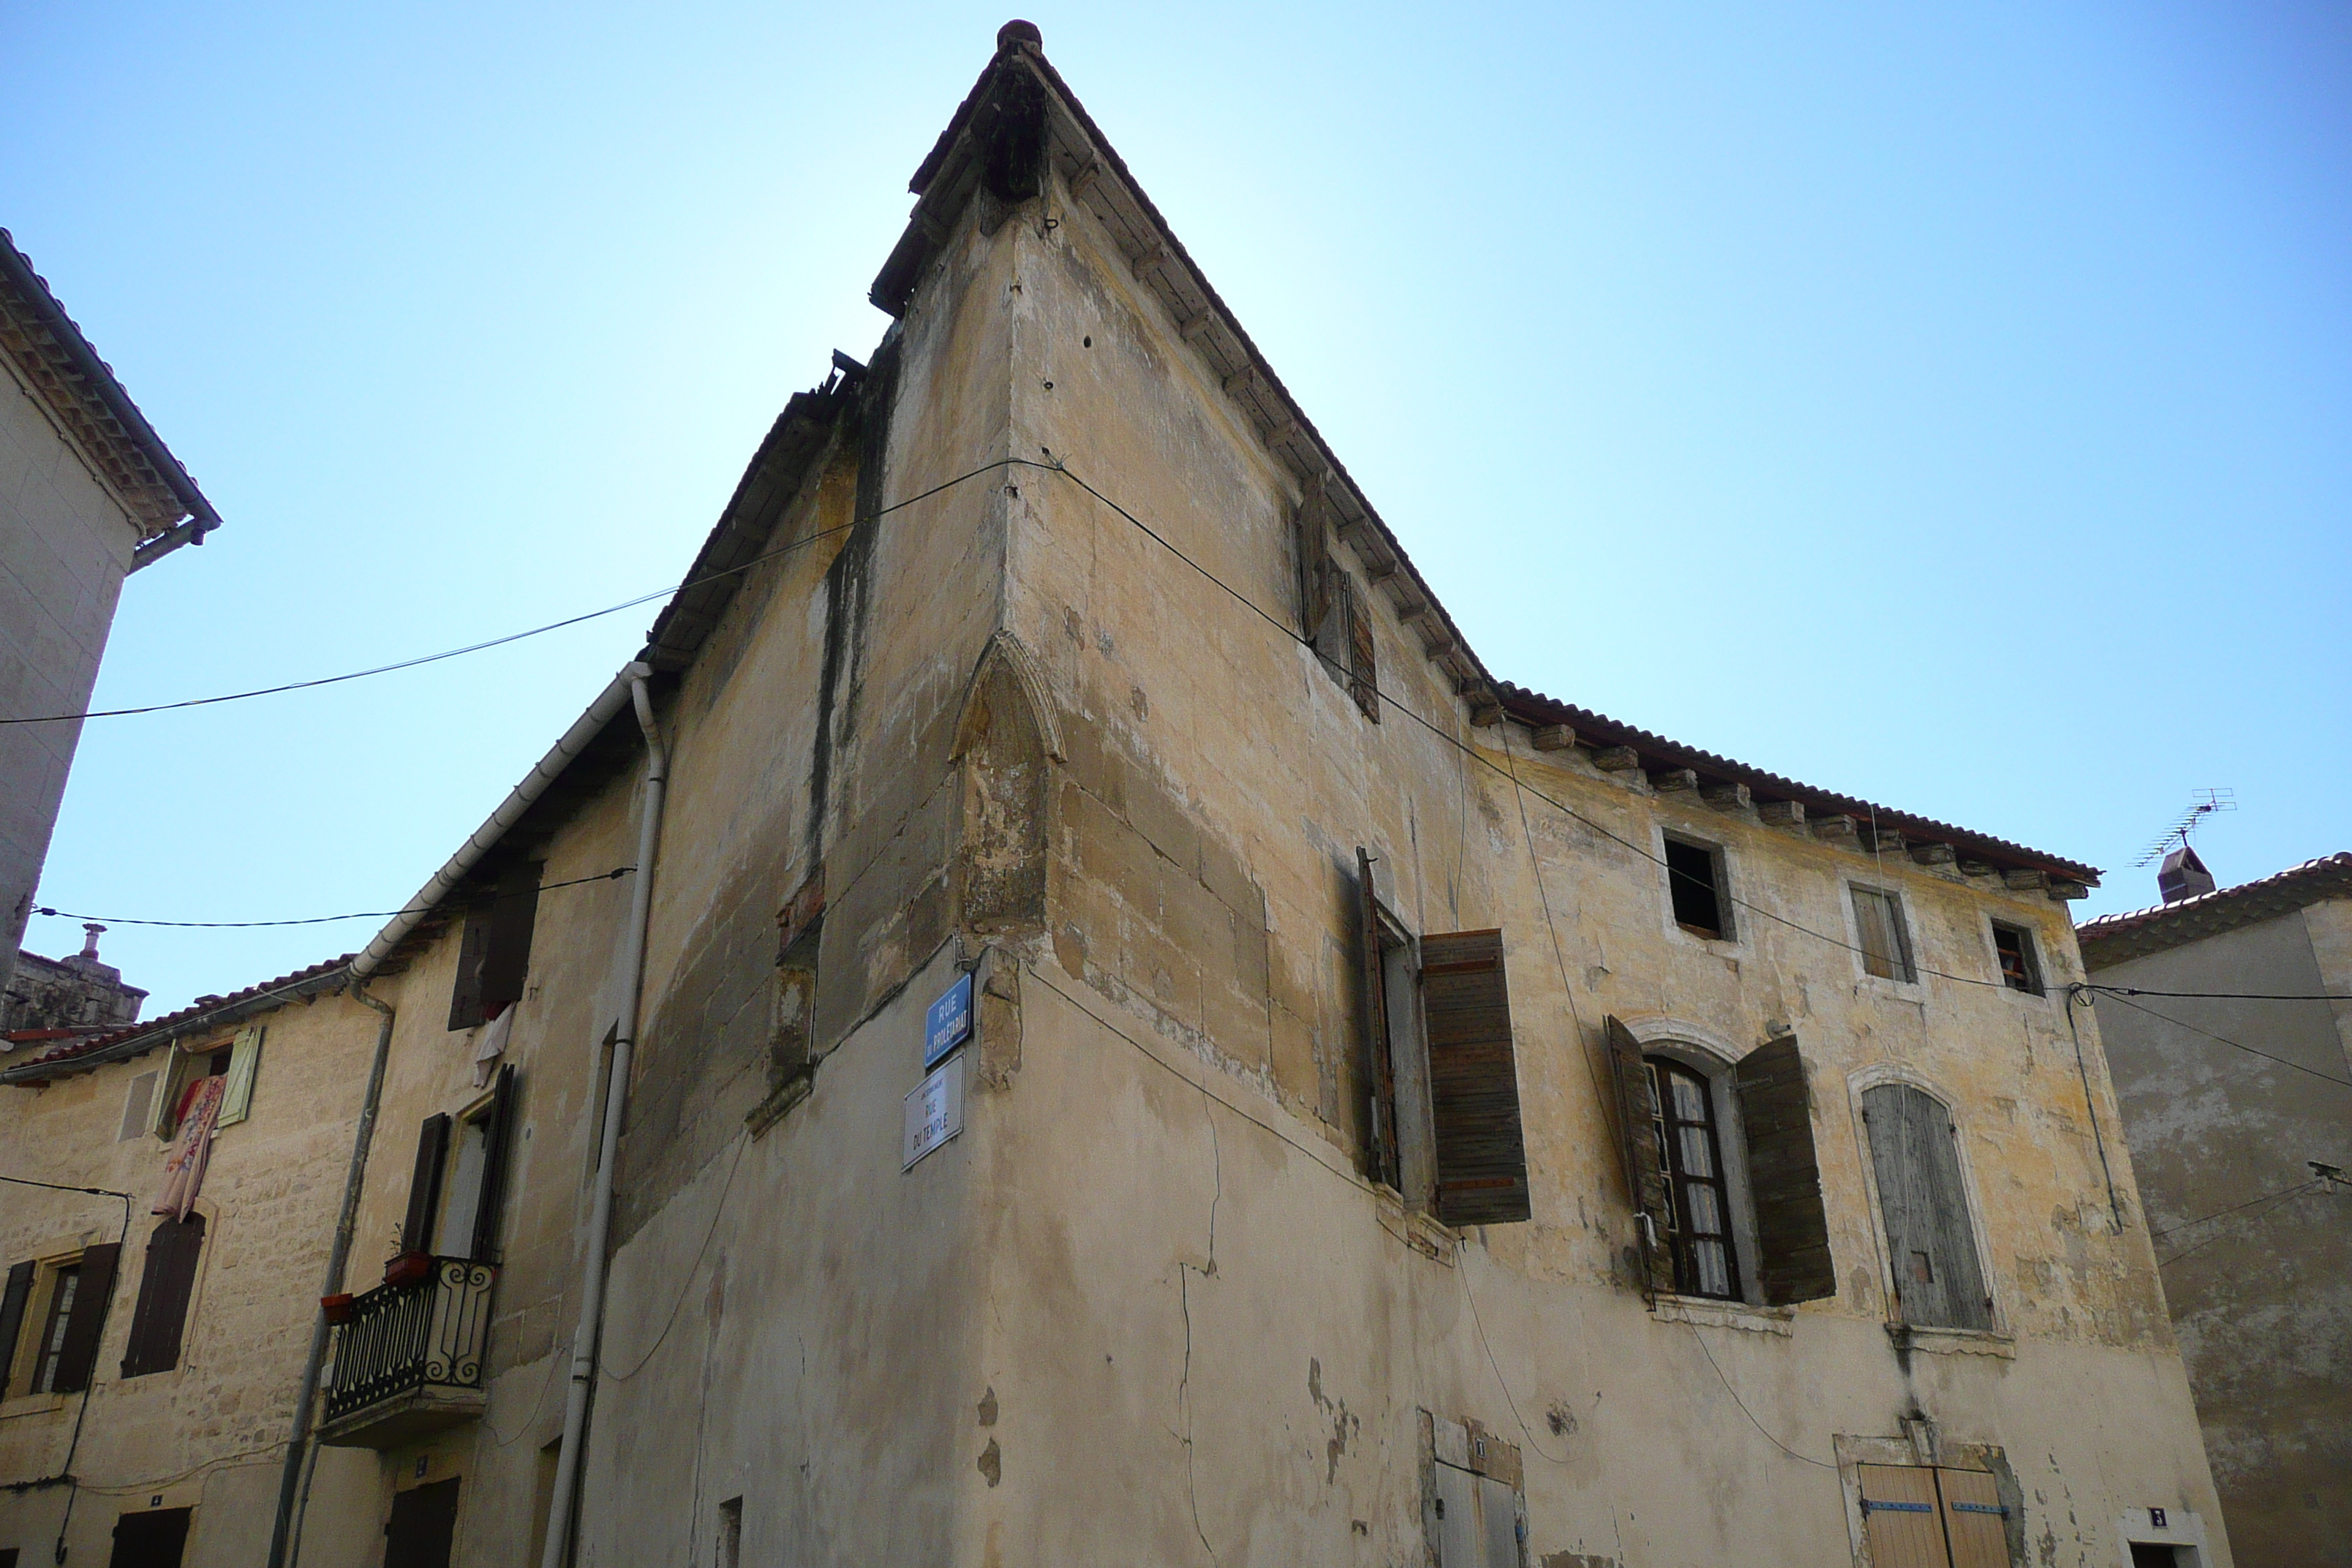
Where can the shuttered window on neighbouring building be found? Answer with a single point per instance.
(19, 1296)
(70, 1350)
(1474, 1087)
(1680, 1192)
(1923, 1202)
(494, 953)
(244, 1065)
(165, 1286)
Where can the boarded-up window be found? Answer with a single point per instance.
(12, 1319)
(1885, 943)
(70, 1350)
(1474, 1088)
(136, 1100)
(425, 1184)
(1784, 1178)
(1931, 1246)
(165, 1286)
(1643, 1160)
(1918, 1516)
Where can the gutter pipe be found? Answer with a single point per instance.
(189, 531)
(289, 1478)
(586, 1332)
(566, 750)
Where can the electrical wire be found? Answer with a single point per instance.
(2223, 995)
(1057, 465)
(2280, 1202)
(1807, 1459)
(2223, 1039)
(612, 875)
(2233, 1208)
(514, 636)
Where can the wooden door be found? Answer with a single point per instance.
(423, 1525)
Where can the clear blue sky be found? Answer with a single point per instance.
(1951, 407)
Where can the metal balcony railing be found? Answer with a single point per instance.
(431, 1332)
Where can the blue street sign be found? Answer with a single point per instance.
(949, 1023)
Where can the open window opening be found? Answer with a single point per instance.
(1697, 1210)
(1923, 1201)
(1443, 1125)
(2020, 966)
(175, 1088)
(1698, 888)
(457, 1186)
(1721, 1172)
(1883, 938)
(494, 952)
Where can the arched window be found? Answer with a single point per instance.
(1931, 1245)
(1698, 1207)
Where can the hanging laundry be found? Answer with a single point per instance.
(183, 1170)
(492, 1044)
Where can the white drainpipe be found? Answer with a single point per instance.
(587, 1331)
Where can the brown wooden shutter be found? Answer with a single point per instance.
(1645, 1171)
(1793, 1230)
(466, 996)
(165, 1286)
(425, 1184)
(1381, 1063)
(1363, 675)
(507, 961)
(12, 1317)
(1313, 562)
(1473, 1085)
(78, 1354)
(498, 1151)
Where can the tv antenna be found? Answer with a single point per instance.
(2210, 802)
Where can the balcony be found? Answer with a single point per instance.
(408, 1359)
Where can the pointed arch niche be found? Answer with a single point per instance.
(1006, 737)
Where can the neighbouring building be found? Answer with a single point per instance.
(54, 999)
(88, 494)
(150, 1362)
(2236, 1090)
(1064, 1016)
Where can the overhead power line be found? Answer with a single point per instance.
(512, 636)
(617, 871)
(2223, 1039)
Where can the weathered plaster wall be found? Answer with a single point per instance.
(209, 1433)
(64, 548)
(2262, 1297)
(1217, 786)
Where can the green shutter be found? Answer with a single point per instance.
(244, 1059)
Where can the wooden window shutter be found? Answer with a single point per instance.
(1645, 1172)
(466, 996)
(11, 1318)
(497, 1152)
(1473, 1086)
(244, 1062)
(1793, 1230)
(507, 960)
(1364, 676)
(79, 1353)
(1931, 1245)
(165, 1287)
(424, 1183)
(1313, 562)
(137, 1101)
(1377, 1047)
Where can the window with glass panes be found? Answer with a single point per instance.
(1699, 1207)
